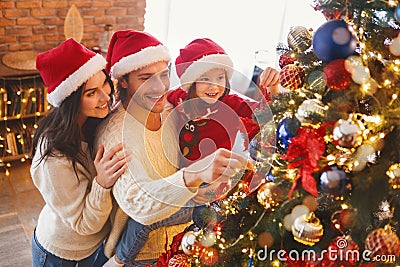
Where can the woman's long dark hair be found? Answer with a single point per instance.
(122, 93)
(60, 129)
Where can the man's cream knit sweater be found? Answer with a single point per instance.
(74, 220)
(151, 189)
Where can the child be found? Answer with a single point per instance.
(210, 117)
(207, 109)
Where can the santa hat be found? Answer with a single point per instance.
(66, 67)
(130, 50)
(198, 57)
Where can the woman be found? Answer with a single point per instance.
(74, 221)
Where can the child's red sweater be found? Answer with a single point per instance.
(215, 128)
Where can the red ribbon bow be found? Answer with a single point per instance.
(304, 151)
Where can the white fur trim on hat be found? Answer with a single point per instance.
(199, 67)
(144, 57)
(76, 79)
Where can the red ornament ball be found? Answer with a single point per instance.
(252, 181)
(343, 220)
(291, 77)
(179, 260)
(347, 218)
(246, 179)
(285, 59)
(209, 256)
(383, 242)
(336, 76)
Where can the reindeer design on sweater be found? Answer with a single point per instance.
(189, 134)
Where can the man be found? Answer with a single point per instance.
(152, 189)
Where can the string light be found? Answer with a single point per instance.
(394, 97)
(13, 140)
(387, 82)
(374, 129)
(291, 174)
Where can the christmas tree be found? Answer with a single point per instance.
(325, 189)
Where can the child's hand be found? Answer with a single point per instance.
(269, 80)
(217, 168)
(212, 192)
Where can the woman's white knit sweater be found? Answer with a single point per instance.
(151, 189)
(74, 220)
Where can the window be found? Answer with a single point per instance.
(240, 27)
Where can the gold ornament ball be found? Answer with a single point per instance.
(299, 38)
(270, 195)
(310, 107)
(316, 82)
(365, 153)
(358, 166)
(347, 133)
(265, 239)
(188, 243)
(307, 229)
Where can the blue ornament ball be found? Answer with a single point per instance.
(287, 129)
(269, 177)
(397, 13)
(333, 40)
(334, 181)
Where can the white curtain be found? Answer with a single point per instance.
(240, 27)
